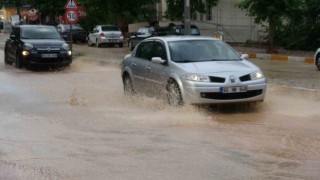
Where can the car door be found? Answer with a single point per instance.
(13, 43)
(138, 65)
(157, 74)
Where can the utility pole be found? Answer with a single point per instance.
(187, 19)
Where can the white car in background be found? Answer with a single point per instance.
(105, 34)
(317, 59)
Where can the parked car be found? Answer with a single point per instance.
(179, 30)
(317, 59)
(30, 45)
(78, 33)
(105, 34)
(192, 70)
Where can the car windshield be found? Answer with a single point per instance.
(109, 28)
(201, 50)
(39, 33)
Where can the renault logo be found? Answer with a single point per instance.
(48, 49)
(232, 79)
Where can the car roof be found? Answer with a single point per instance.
(34, 25)
(182, 38)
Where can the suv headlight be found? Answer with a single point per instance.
(65, 46)
(27, 46)
(257, 75)
(196, 77)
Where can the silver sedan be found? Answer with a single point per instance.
(192, 70)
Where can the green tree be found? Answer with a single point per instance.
(272, 12)
(175, 9)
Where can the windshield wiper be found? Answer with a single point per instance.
(185, 61)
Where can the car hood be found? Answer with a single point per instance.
(44, 42)
(221, 67)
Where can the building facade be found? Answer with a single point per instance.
(225, 18)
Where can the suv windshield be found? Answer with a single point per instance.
(201, 50)
(109, 28)
(39, 33)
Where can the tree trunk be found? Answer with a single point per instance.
(271, 32)
(18, 5)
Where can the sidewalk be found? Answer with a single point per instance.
(282, 55)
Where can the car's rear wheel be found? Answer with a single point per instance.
(127, 86)
(18, 62)
(318, 62)
(121, 45)
(174, 94)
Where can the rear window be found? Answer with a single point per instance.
(67, 27)
(110, 28)
(39, 33)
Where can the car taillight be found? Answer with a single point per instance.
(101, 35)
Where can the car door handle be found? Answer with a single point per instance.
(148, 68)
(133, 64)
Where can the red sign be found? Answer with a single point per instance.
(71, 16)
(71, 4)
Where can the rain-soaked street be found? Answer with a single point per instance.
(76, 124)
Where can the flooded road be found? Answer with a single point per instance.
(76, 124)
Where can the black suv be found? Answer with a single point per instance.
(36, 45)
(179, 30)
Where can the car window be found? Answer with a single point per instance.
(110, 28)
(39, 33)
(75, 27)
(144, 51)
(159, 51)
(201, 50)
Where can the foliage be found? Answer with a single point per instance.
(175, 9)
(301, 30)
(272, 11)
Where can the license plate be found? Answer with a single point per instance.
(113, 40)
(234, 89)
(49, 55)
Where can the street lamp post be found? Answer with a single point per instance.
(187, 19)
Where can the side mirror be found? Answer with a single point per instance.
(244, 56)
(158, 60)
(13, 37)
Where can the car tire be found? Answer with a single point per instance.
(18, 62)
(6, 59)
(121, 45)
(130, 45)
(127, 86)
(318, 62)
(174, 94)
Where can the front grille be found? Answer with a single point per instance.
(245, 78)
(217, 79)
(231, 96)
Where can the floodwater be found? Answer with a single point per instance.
(76, 123)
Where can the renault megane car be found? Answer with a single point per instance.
(36, 45)
(192, 70)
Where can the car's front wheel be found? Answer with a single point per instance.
(89, 42)
(18, 62)
(6, 59)
(127, 86)
(318, 62)
(174, 94)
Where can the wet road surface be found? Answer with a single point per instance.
(76, 123)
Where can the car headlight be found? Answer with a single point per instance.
(27, 46)
(196, 77)
(65, 46)
(257, 75)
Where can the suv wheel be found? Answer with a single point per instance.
(318, 62)
(127, 86)
(174, 94)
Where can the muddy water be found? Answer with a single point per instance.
(76, 124)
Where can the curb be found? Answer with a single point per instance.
(309, 60)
